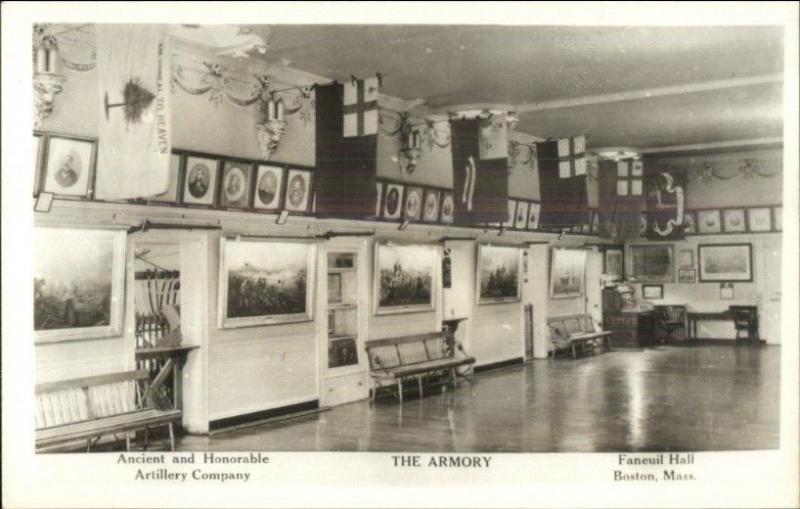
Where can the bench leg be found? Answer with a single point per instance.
(146, 430)
(574, 354)
(128, 441)
(400, 389)
(453, 377)
(419, 382)
(88, 444)
(171, 438)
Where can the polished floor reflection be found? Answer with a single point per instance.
(657, 399)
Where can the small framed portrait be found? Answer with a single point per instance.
(759, 219)
(378, 198)
(171, 194)
(70, 166)
(512, 214)
(777, 218)
(726, 291)
(686, 258)
(533, 215)
(689, 222)
(733, 221)
(236, 176)
(393, 202)
(413, 204)
(298, 190)
(269, 183)
(448, 207)
(595, 224)
(200, 181)
(708, 221)
(38, 146)
(687, 275)
(430, 211)
(521, 220)
(654, 292)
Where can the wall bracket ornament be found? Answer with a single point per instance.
(47, 82)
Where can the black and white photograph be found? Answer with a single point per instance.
(296, 254)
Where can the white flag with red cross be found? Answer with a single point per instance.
(360, 108)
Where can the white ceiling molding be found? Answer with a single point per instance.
(650, 92)
(701, 147)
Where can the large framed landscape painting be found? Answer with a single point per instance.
(652, 263)
(498, 274)
(567, 273)
(404, 275)
(78, 280)
(265, 282)
(725, 262)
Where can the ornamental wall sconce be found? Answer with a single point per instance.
(410, 147)
(271, 127)
(47, 82)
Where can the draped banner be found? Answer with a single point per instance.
(480, 186)
(134, 145)
(621, 200)
(345, 170)
(564, 200)
(665, 203)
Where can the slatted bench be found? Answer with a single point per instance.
(393, 360)
(576, 332)
(90, 408)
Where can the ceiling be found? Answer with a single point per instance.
(643, 87)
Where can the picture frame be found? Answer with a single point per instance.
(614, 262)
(404, 279)
(412, 209)
(38, 148)
(686, 258)
(268, 187)
(651, 263)
(512, 214)
(689, 222)
(378, 198)
(759, 219)
(733, 221)
(235, 184)
(265, 282)
(298, 190)
(595, 224)
(777, 218)
(687, 275)
(69, 170)
(79, 283)
(393, 202)
(200, 180)
(533, 215)
(521, 220)
(708, 221)
(430, 209)
(498, 271)
(170, 196)
(448, 207)
(567, 273)
(725, 262)
(653, 292)
(726, 291)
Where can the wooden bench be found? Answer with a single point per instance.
(90, 408)
(576, 332)
(392, 360)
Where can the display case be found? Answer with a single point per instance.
(342, 310)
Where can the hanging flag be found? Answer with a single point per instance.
(345, 167)
(480, 185)
(360, 108)
(564, 200)
(134, 145)
(621, 199)
(572, 157)
(665, 203)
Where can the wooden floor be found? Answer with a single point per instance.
(656, 399)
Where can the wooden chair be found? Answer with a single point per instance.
(670, 319)
(745, 320)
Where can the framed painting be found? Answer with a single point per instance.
(171, 194)
(393, 204)
(687, 275)
(448, 207)
(38, 147)
(708, 221)
(403, 281)
(567, 273)
(269, 183)
(200, 181)
(653, 292)
(759, 219)
(78, 283)
(498, 274)
(413, 204)
(533, 215)
(512, 214)
(689, 222)
(777, 218)
(298, 190)
(725, 262)
(430, 210)
(733, 221)
(652, 263)
(522, 215)
(235, 186)
(614, 262)
(264, 282)
(69, 170)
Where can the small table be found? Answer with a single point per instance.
(692, 317)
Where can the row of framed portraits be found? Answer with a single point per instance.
(761, 219)
(396, 201)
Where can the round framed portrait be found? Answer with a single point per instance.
(235, 184)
